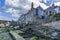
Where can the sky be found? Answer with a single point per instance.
(13, 9)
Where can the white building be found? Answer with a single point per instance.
(36, 14)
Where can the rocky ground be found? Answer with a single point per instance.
(33, 33)
(44, 33)
(4, 35)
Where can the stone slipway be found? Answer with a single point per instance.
(16, 36)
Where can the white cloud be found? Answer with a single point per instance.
(13, 12)
(43, 6)
(37, 3)
(17, 3)
(24, 4)
(12, 3)
(26, 7)
(9, 10)
(18, 7)
(57, 3)
(45, 1)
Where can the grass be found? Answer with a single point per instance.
(37, 38)
(51, 15)
(2, 29)
(34, 38)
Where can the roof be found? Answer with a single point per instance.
(32, 9)
(27, 12)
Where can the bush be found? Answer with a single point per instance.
(57, 16)
(51, 15)
(34, 38)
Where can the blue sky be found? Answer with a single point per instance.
(12, 9)
(48, 2)
(3, 14)
(2, 2)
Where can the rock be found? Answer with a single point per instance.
(53, 35)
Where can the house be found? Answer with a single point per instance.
(57, 9)
(33, 13)
(50, 10)
(30, 16)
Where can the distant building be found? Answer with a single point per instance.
(4, 23)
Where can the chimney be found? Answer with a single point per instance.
(32, 5)
(53, 5)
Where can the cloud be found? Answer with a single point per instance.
(17, 3)
(13, 12)
(12, 3)
(13, 7)
(21, 4)
(37, 3)
(57, 3)
(19, 7)
(16, 7)
(45, 1)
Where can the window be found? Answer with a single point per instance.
(50, 12)
(36, 11)
(46, 13)
(29, 28)
(43, 17)
(59, 9)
